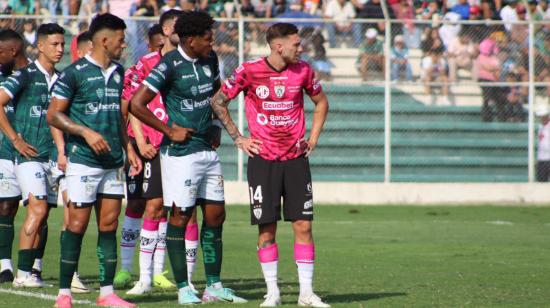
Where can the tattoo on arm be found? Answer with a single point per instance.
(219, 104)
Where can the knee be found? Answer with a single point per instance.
(302, 227)
(108, 225)
(77, 226)
(8, 208)
(154, 212)
(215, 220)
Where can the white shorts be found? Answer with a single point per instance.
(58, 177)
(192, 179)
(9, 188)
(85, 184)
(36, 178)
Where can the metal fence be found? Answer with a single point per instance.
(409, 102)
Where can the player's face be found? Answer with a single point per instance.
(291, 48)
(115, 44)
(7, 57)
(168, 29)
(156, 42)
(52, 47)
(202, 45)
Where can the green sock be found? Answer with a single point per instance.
(71, 243)
(212, 251)
(61, 236)
(39, 254)
(107, 255)
(6, 236)
(26, 259)
(175, 243)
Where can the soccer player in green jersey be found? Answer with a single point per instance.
(187, 78)
(29, 91)
(12, 57)
(86, 106)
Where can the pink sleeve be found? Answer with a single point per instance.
(132, 80)
(236, 83)
(311, 86)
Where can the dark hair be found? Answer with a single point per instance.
(106, 21)
(9, 34)
(49, 29)
(193, 24)
(280, 30)
(169, 15)
(83, 37)
(154, 30)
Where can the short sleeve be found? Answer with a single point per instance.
(15, 83)
(216, 67)
(312, 86)
(159, 76)
(64, 87)
(236, 83)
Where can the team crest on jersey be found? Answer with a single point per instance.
(207, 71)
(99, 92)
(257, 212)
(262, 92)
(116, 77)
(279, 90)
(145, 186)
(44, 98)
(132, 188)
(16, 74)
(162, 67)
(194, 90)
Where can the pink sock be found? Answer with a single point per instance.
(269, 257)
(191, 246)
(304, 254)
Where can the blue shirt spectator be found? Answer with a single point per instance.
(462, 8)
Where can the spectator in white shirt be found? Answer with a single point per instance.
(462, 53)
(543, 149)
(508, 14)
(341, 11)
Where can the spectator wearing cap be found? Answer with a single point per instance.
(400, 59)
(341, 12)
(371, 54)
(488, 68)
(462, 53)
(543, 148)
(367, 9)
(508, 14)
(462, 8)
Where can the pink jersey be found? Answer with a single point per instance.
(132, 80)
(274, 103)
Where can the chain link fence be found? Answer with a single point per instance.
(411, 101)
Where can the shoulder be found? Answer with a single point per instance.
(250, 65)
(150, 56)
(78, 66)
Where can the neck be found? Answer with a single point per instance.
(101, 58)
(167, 47)
(47, 65)
(189, 52)
(20, 61)
(276, 61)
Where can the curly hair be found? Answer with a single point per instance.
(193, 24)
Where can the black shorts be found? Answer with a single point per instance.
(268, 181)
(148, 183)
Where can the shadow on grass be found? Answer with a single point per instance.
(346, 298)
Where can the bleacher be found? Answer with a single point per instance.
(429, 143)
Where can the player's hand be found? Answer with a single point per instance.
(311, 144)
(96, 142)
(27, 150)
(179, 134)
(61, 162)
(147, 150)
(248, 145)
(215, 136)
(133, 160)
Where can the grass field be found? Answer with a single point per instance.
(376, 256)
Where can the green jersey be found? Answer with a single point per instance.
(6, 148)
(29, 89)
(186, 86)
(94, 95)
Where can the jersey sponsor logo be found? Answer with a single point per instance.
(309, 188)
(159, 113)
(282, 120)
(95, 107)
(37, 112)
(111, 92)
(308, 204)
(162, 67)
(262, 92)
(204, 88)
(207, 71)
(187, 76)
(186, 105)
(176, 62)
(80, 67)
(16, 74)
(94, 78)
(278, 78)
(40, 84)
(202, 104)
(261, 118)
(277, 105)
(279, 90)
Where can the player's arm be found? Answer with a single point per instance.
(216, 128)
(11, 86)
(133, 158)
(319, 116)
(147, 150)
(59, 141)
(220, 103)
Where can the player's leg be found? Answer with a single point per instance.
(210, 195)
(298, 208)
(32, 179)
(10, 194)
(110, 194)
(131, 227)
(191, 246)
(265, 182)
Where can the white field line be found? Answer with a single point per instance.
(41, 296)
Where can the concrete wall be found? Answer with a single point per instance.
(414, 194)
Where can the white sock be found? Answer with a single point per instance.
(130, 234)
(146, 249)
(217, 285)
(5, 264)
(160, 249)
(37, 264)
(22, 274)
(64, 292)
(191, 255)
(270, 275)
(305, 276)
(106, 290)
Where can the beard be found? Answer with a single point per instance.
(7, 68)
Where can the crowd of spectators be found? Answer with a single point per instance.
(490, 53)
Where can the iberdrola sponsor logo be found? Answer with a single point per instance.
(37, 111)
(95, 107)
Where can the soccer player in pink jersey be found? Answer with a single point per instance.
(278, 163)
